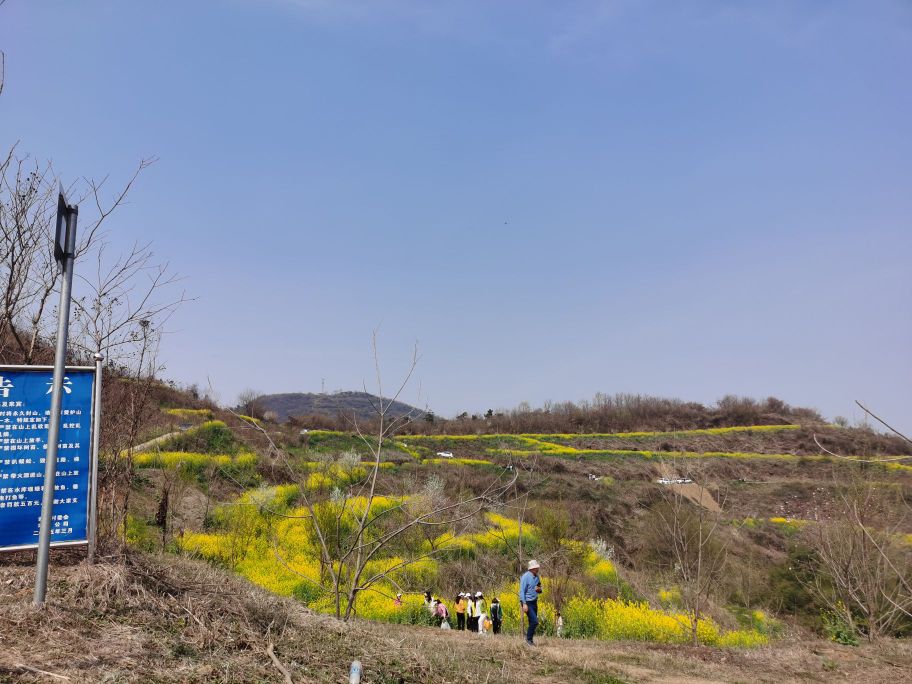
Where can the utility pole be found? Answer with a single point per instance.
(64, 253)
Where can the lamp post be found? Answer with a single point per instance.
(64, 253)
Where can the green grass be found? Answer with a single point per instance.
(471, 449)
(211, 437)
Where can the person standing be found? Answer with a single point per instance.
(496, 615)
(471, 615)
(480, 611)
(443, 615)
(460, 607)
(529, 589)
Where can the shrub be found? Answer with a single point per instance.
(379, 604)
(189, 413)
(241, 468)
(788, 526)
(208, 546)
(838, 629)
(140, 534)
(670, 597)
(604, 571)
(636, 621)
(582, 618)
(211, 437)
(452, 546)
(742, 639)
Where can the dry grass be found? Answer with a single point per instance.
(167, 619)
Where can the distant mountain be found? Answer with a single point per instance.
(360, 404)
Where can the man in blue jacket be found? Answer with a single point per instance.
(529, 589)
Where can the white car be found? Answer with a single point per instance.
(445, 454)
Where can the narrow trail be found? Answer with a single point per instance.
(145, 446)
(691, 491)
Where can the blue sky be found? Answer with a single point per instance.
(553, 199)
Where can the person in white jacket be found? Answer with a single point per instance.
(471, 615)
(481, 611)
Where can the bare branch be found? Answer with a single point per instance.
(859, 460)
(882, 421)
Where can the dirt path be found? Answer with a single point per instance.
(145, 446)
(691, 491)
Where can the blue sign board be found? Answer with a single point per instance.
(25, 402)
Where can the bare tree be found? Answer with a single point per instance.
(524, 478)
(125, 300)
(686, 543)
(28, 270)
(27, 267)
(248, 403)
(564, 557)
(862, 573)
(130, 392)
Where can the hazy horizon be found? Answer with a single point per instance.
(619, 197)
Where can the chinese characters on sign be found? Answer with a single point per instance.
(24, 415)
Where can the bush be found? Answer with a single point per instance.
(838, 630)
(211, 437)
(140, 534)
(189, 413)
(582, 618)
(604, 571)
(586, 618)
(241, 468)
(670, 597)
(742, 639)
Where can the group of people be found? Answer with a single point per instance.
(472, 612)
(474, 615)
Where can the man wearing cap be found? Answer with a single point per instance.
(529, 589)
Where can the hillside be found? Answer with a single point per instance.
(165, 619)
(222, 558)
(347, 405)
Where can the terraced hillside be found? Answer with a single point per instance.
(589, 504)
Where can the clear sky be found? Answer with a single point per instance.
(686, 199)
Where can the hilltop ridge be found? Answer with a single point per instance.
(347, 405)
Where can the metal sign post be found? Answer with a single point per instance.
(96, 437)
(64, 253)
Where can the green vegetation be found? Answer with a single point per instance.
(188, 413)
(265, 536)
(211, 437)
(241, 467)
(473, 447)
(266, 533)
